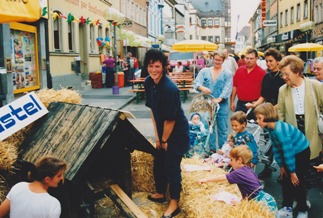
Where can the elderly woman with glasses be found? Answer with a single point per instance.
(296, 104)
(217, 81)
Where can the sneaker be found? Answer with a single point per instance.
(285, 212)
(302, 215)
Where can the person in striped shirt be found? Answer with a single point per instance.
(292, 154)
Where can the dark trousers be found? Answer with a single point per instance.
(242, 107)
(167, 171)
(109, 77)
(291, 192)
(129, 75)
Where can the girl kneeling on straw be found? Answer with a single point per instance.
(244, 177)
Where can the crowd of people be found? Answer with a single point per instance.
(282, 102)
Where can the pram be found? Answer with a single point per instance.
(208, 110)
(263, 141)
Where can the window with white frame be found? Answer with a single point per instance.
(133, 11)
(137, 13)
(107, 32)
(210, 38)
(140, 16)
(292, 14)
(57, 27)
(216, 22)
(217, 38)
(123, 7)
(281, 19)
(305, 9)
(70, 29)
(128, 8)
(203, 37)
(286, 17)
(210, 22)
(203, 23)
(320, 13)
(91, 39)
(298, 12)
(316, 18)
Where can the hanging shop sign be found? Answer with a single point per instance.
(24, 57)
(269, 23)
(263, 12)
(20, 11)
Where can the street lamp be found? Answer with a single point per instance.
(115, 18)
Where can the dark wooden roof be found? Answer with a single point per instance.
(77, 133)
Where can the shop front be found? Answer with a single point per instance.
(23, 57)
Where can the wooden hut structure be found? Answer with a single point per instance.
(96, 143)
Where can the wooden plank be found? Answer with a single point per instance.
(128, 114)
(127, 201)
(136, 90)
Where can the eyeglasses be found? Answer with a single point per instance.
(282, 75)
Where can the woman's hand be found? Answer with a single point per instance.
(158, 145)
(319, 168)
(249, 105)
(294, 179)
(164, 146)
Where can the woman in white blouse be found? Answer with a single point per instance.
(296, 101)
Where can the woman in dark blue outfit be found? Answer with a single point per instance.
(171, 130)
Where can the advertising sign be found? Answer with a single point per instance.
(19, 114)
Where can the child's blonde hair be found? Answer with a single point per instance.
(243, 152)
(268, 111)
(239, 116)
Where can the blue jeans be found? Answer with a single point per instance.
(221, 127)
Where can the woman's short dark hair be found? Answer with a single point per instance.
(273, 52)
(153, 55)
(239, 116)
(268, 111)
(47, 166)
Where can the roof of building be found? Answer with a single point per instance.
(209, 8)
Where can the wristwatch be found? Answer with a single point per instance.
(164, 142)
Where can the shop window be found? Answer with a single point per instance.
(24, 58)
(57, 27)
(70, 27)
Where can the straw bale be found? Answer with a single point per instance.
(142, 172)
(196, 202)
(104, 207)
(4, 189)
(47, 96)
(8, 155)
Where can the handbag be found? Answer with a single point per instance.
(319, 114)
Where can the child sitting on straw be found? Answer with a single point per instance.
(244, 177)
(222, 157)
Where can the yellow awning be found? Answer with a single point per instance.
(20, 11)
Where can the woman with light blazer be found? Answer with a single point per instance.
(296, 102)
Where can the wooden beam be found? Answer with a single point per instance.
(128, 207)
